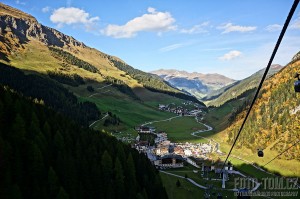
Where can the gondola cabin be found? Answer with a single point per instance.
(297, 83)
(260, 153)
(297, 86)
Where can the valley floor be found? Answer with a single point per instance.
(245, 166)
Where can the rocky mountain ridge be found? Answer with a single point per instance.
(23, 41)
(16, 27)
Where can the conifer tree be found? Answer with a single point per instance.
(119, 179)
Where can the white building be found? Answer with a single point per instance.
(187, 152)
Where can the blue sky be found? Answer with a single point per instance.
(231, 37)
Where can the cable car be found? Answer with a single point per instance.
(260, 153)
(297, 83)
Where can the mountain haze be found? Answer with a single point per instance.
(197, 84)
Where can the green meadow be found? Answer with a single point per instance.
(179, 129)
(186, 189)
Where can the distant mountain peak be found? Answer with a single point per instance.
(276, 66)
(206, 78)
(24, 26)
(198, 84)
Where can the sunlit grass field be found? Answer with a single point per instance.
(180, 129)
(186, 189)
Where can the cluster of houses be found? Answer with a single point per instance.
(198, 150)
(165, 154)
(145, 129)
(180, 110)
(216, 166)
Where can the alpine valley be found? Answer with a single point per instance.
(76, 122)
(197, 84)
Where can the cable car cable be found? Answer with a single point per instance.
(281, 153)
(288, 19)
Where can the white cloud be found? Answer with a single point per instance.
(71, 16)
(46, 9)
(231, 55)
(296, 24)
(215, 49)
(171, 47)
(20, 2)
(178, 45)
(153, 21)
(229, 27)
(196, 29)
(273, 27)
(151, 10)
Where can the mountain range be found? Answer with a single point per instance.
(23, 41)
(80, 82)
(198, 84)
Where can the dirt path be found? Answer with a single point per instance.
(169, 119)
(106, 115)
(100, 88)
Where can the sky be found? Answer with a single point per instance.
(230, 37)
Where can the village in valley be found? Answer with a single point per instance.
(165, 154)
(159, 149)
(200, 160)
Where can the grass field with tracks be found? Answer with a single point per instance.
(180, 129)
(186, 189)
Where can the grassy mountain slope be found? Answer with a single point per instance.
(242, 86)
(29, 45)
(215, 94)
(273, 124)
(46, 52)
(221, 117)
(50, 93)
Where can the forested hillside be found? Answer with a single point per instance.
(50, 93)
(44, 155)
(71, 59)
(242, 86)
(274, 120)
(215, 94)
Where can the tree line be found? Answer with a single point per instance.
(121, 86)
(69, 79)
(112, 120)
(71, 59)
(45, 155)
(51, 93)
